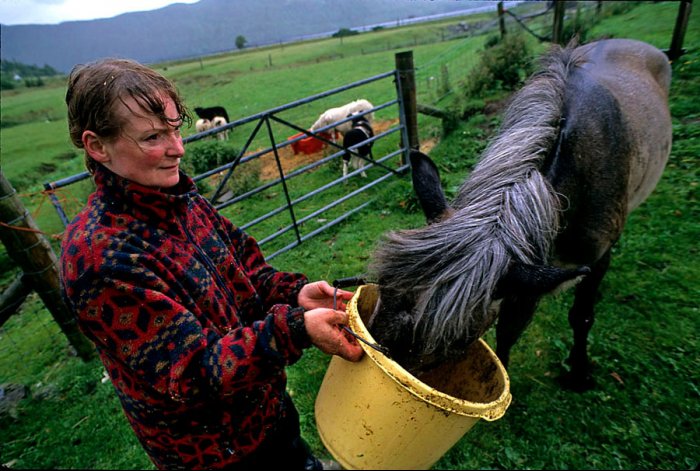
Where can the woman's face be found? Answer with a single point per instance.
(147, 151)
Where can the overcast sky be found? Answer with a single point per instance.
(19, 12)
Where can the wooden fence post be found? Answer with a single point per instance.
(676, 49)
(30, 249)
(558, 22)
(13, 297)
(501, 20)
(407, 88)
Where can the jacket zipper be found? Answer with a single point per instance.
(204, 258)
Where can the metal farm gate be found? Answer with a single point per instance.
(297, 202)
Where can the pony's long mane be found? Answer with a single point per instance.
(506, 211)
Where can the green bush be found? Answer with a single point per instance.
(208, 155)
(503, 66)
(345, 32)
(33, 82)
(492, 41)
(6, 83)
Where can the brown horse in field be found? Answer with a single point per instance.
(581, 145)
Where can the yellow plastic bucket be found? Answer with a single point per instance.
(373, 414)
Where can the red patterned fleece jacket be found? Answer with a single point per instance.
(193, 326)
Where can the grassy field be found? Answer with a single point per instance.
(644, 413)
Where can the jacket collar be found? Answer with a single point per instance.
(145, 203)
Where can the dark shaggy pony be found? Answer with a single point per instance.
(581, 145)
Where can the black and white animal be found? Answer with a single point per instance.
(360, 131)
(202, 125)
(212, 112)
(217, 122)
(581, 145)
(333, 115)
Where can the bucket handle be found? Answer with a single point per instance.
(351, 281)
(355, 281)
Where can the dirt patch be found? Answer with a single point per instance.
(427, 145)
(290, 161)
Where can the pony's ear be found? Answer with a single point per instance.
(535, 280)
(427, 186)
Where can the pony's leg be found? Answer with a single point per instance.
(581, 317)
(361, 164)
(514, 316)
(345, 168)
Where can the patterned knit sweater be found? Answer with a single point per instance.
(193, 326)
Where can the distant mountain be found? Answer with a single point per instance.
(182, 31)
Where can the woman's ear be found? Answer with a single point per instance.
(95, 147)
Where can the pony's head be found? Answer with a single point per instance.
(441, 285)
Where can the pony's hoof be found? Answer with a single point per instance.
(576, 383)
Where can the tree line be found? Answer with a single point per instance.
(13, 73)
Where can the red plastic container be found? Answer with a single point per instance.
(308, 145)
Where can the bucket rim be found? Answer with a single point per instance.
(488, 411)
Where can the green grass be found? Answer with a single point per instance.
(644, 412)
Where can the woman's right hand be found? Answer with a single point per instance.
(325, 329)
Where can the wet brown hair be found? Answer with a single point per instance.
(95, 89)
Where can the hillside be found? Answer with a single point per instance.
(209, 26)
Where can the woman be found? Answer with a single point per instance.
(194, 328)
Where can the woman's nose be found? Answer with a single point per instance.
(176, 147)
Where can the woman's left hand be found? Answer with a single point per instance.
(325, 329)
(320, 294)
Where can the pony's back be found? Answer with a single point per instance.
(639, 76)
(613, 145)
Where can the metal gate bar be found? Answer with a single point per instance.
(266, 118)
(320, 190)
